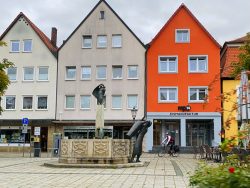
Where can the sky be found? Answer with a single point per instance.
(225, 20)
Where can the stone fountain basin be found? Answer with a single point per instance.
(95, 151)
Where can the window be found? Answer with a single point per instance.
(132, 101)
(12, 73)
(27, 45)
(70, 73)
(168, 94)
(132, 72)
(167, 64)
(116, 102)
(102, 41)
(87, 41)
(85, 101)
(117, 72)
(43, 73)
(86, 73)
(70, 102)
(42, 102)
(27, 102)
(101, 72)
(182, 36)
(197, 64)
(116, 41)
(15, 45)
(10, 102)
(197, 94)
(28, 73)
(102, 13)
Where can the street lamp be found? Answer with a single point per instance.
(133, 113)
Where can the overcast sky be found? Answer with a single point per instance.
(225, 20)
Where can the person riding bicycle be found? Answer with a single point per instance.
(169, 141)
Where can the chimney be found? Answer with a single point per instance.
(53, 36)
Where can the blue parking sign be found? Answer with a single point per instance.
(25, 121)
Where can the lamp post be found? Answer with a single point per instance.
(133, 113)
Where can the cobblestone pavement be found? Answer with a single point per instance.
(161, 172)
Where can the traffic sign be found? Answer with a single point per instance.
(25, 130)
(25, 121)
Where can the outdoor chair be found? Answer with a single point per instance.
(202, 152)
(195, 152)
(208, 150)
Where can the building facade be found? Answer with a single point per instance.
(101, 50)
(32, 91)
(232, 116)
(183, 80)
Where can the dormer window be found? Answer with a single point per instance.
(102, 15)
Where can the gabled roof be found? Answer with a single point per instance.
(41, 35)
(91, 13)
(229, 57)
(183, 6)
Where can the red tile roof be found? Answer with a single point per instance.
(183, 6)
(42, 36)
(229, 55)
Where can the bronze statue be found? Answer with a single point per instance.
(99, 93)
(139, 129)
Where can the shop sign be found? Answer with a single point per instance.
(37, 131)
(184, 114)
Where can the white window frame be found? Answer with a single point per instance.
(197, 64)
(137, 69)
(197, 93)
(11, 44)
(112, 102)
(65, 103)
(37, 102)
(113, 41)
(136, 107)
(8, 74)
(176, 38)
(98, 66)
(99, 45)
(66, 71)
(168, 71)
(89, 102)
(32, 102)
(32, 76)
(91, 44)
(117, 66)
(82, 73)
(27, 51)
(38, 71)
(167, 101)
(7, 109)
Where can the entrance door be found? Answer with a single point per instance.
(172, 127)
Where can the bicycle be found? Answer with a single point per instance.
(172, 150)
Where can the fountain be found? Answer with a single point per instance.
(103, 151)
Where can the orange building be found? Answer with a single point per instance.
(183, 83)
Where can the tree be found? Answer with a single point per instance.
(4, 79)
(244, 59)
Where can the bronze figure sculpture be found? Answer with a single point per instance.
(99, 93)
(138, 130)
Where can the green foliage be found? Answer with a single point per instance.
(227, 175)
(4, 79)
(244, 59)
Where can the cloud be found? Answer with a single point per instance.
(224, 19)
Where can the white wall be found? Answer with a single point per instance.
(40, 56)
(72, 54)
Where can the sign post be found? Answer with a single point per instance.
(25, 122)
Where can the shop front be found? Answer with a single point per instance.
(187, 128)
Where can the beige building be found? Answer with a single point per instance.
(32, 92)
(101, 50)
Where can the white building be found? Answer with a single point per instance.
(32, 92)
(101, 50)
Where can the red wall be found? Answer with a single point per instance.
(200, 44)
